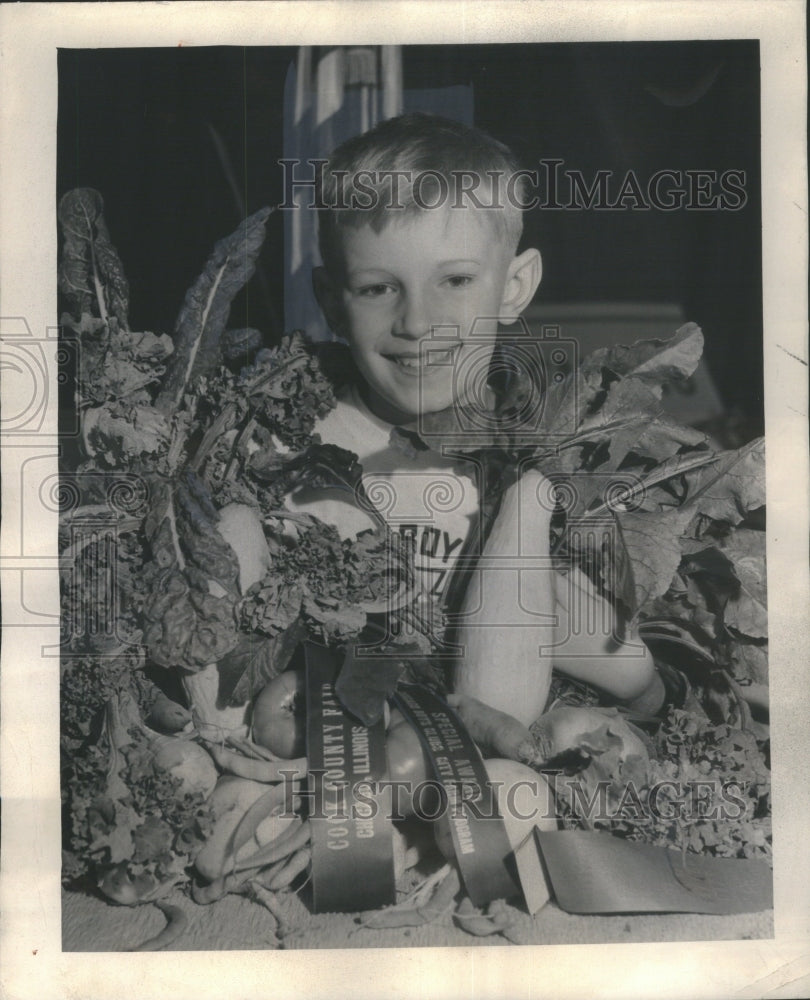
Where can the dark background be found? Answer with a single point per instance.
(135, 124)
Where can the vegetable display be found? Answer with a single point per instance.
(188, 588)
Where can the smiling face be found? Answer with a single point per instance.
(407, 299)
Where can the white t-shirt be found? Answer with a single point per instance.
(425, 497)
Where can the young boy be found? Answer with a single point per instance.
(420, 223)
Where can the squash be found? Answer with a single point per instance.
(507, 613)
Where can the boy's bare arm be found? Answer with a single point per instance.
(588, 645)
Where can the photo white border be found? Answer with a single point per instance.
(33, 964)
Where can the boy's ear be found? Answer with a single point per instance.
(522, 279)
(328, 297)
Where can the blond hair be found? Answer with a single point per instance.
(414, 163)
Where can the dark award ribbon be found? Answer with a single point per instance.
(479, 835)
(352, 845)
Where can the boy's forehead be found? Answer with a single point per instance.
(434, 232)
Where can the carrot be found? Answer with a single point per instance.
(268, 771)
(265, 876)
(247, 825)
(176, 923)
(292, 840)
(293, 867)
(494, 730)
(256, 890)
(205, 894)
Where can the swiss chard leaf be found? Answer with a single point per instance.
(90, 271)
(206, 308)
(245, 670)
(365, 684)
(189, 615)
(655, 362)
(711, 488)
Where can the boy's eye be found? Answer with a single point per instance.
(459, 280)
(375, 291)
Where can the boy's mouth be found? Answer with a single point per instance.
(424, 362)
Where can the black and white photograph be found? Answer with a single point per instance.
(401, 509)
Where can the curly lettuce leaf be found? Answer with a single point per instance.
(117, 433)
(115, 363)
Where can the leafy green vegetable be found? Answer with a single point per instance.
(288, 391)
(90, 271)
(745, 611)
(332, 583)
(121, 811)
(116, 363)
(365, 684)
(122, 431)
(189, 614)
(707, 791)
(255, 660)
(206, 308)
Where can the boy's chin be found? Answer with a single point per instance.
(407, 408)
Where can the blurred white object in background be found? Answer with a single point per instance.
(331, 93)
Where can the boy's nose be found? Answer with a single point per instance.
(413, 319)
